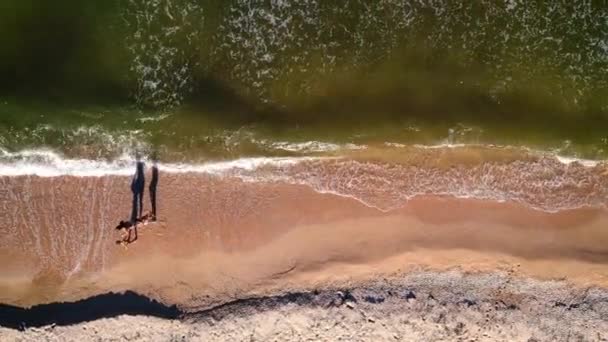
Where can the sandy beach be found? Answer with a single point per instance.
(222, 240)
(281, 170)
(231, 235)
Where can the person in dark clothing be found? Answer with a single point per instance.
(152, 188)
(138, 185)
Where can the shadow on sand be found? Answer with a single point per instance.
(90, 309)
(138, 185)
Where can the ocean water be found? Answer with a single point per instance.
(236, 85)
(302, 57)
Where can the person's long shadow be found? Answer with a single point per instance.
(137, 188)
(152, 188)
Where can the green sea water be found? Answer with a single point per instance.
(107, 132)
(195, 79)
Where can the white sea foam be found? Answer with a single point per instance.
(232, 166)
(153, 118)
(562, 159)
(47, 163)
(443, 145)
(313, 146)
(392, 144)
(584, 162)
(546, 183)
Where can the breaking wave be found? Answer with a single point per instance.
(47, 163)
(384, 180)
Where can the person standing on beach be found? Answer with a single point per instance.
(137, 187)
(152, 188)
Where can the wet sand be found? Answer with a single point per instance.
(220, 238)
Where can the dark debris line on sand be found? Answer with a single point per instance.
(90, 309)
(462, 304)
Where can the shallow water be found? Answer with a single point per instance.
(111, 133)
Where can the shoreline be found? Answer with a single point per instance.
(258, 243)
(223, 235)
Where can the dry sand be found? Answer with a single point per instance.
(427, 306)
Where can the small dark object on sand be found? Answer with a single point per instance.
(129, 226)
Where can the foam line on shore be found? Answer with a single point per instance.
(562, 159)
(47, 163)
